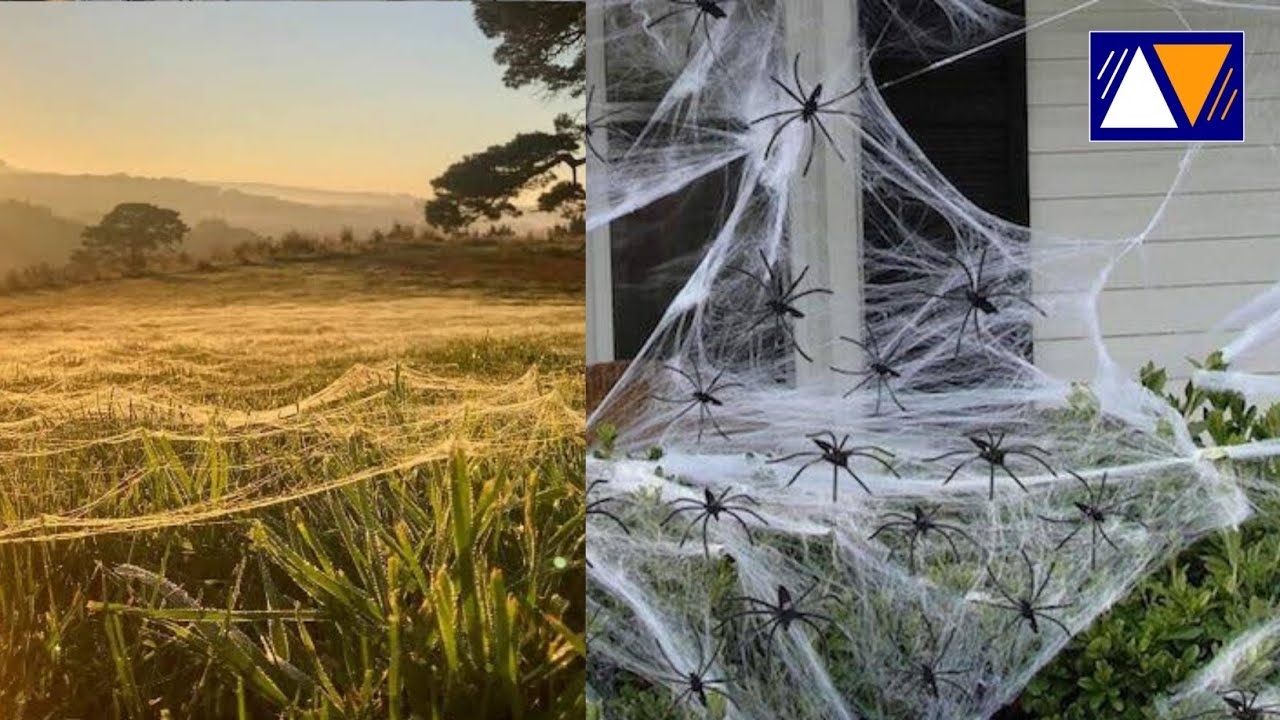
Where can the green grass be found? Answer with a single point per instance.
(186, 531)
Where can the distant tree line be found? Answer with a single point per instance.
(136, 239)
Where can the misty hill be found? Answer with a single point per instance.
(30, 234)
(86, 198)
(33, 234)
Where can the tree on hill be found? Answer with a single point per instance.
(131, 235)
(485, 185)
(541, 45)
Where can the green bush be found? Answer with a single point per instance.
(1176, 619)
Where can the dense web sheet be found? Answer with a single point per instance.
(1243, 677)
(914, 533)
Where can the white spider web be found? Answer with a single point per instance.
(664, 603)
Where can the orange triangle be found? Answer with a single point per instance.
(1192, 70)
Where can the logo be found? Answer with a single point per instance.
(1166, 86)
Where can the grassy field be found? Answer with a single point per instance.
(340, 488)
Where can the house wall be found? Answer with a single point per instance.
(1219, 244)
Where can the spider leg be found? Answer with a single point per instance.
(706, 549)
(824, 433)
(779, 113)
(892, 395)
(750, 512)
(614, 518)
(879, 392)
(955, 551)
(792, 456)
(802, 469)
(944, 456)
(651, 23)
(861, 384)
(674, 513)
(685, 375)
(1038, 459)
(811, 291)
(702, 419)
(718, 691)
(991, 480)
(693, 30)
(684, 537)
(844, 95)
(794, 343)
(1062, 543)
(953, 684)
(1055, 621)
(716, 424)
(888, 526)
(1105, 536)
(1008, 472)
(745, 529)
(817, 629)
(835, 482)
(1021, 299)
(676, 702)
(813, 137)
(1000, 589)
(957, 469)
(911, 552)
(876, 458)
(795, 72)
(769, 148)
(1044, 583)
(740, 271)
(964, 324)
(787, 90)
(836, 148)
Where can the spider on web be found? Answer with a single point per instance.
(810, 111)
(1026, 606)
(597, 507)
(1240, 706)
(780, 614)
(927, 671)
(783, 296)
(879, 369)
(1098, 507)
(707, 10)
(702, 397)
(978, 297)
(837, 454)
(918, 525)
(996, 454)
(599, 122)
(695, 682)
(710, 508)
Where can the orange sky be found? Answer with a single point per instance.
(345, 96)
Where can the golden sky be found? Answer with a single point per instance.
(347, 96)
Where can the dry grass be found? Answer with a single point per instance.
(312, 490)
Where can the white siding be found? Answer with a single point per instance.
(1219, 242)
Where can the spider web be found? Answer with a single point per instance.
(961, 391)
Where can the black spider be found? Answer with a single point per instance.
(927, 672)
(707, 10)
(918, 525)
(703, 397)
(977, 295)
(597, 123)
(780, 614)
(838, 454)
(810, 112)
(695, 682)
(1244, 706)
(1098, 507)
(879, 369)
(782, 298)
(1025, 606)
(710, 508)
(996, 454)
(596, 507)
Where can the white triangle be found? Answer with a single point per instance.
(1139, 102)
